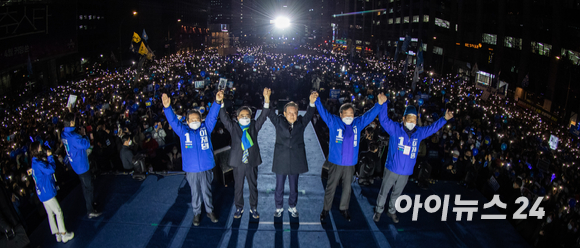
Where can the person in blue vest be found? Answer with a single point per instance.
(197, 153)
(76, 144)
(345, 132)
(404, 141)
(43, 167)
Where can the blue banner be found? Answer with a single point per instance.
(334, 94)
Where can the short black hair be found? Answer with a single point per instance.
(243, 108)
(34, 150)
(126, 137)
(68, 118)
(345, 107)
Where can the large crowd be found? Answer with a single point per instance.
(491, 145)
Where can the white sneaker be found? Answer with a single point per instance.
(58, 237)
(67, 236)
(278, 212)
(94, 214)
(294, 212)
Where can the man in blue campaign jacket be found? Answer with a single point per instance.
(402, 155)
(196, 153)
(343, 150)
(76, 145)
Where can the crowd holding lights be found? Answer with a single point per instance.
(505, 130)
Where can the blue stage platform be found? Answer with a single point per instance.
(157, 213)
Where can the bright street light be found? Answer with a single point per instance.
(282, 22)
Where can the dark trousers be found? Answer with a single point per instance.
(279, 196)
(88, 189)
(200, 184)
(249, 172)
(336, 174)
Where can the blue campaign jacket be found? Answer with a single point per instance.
(196, 147)
(76, 148)
(338, 153)
(397, 161)
(43, 172)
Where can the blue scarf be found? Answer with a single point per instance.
(247, 141)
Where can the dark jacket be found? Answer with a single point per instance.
(127, 157)
(289, 152)
(235, 130)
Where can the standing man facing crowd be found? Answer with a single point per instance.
(76, 144)
(197, 153)
(402, 155)
(289, 152)
(345, 132)
(245, 152)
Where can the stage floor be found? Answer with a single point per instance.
(157, 213)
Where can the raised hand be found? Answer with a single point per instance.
(313, 97)
(267, 93)
(448, 115)
(166, 100)
(219, 97)
(382, 98)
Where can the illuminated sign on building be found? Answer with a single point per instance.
(476, 46)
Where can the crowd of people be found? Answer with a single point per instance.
(491, 144)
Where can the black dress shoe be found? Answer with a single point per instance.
(345, 214)
(196, 219)
(377, 217)
(323, 215)
(212, 217)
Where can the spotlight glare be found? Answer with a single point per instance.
(282, 22)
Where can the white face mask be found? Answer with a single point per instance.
(569, 226)
(347, 120)
(373, 125)
(194, 125)
(409, 126)
(130, 142)
(549, 220)
(244, 121)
